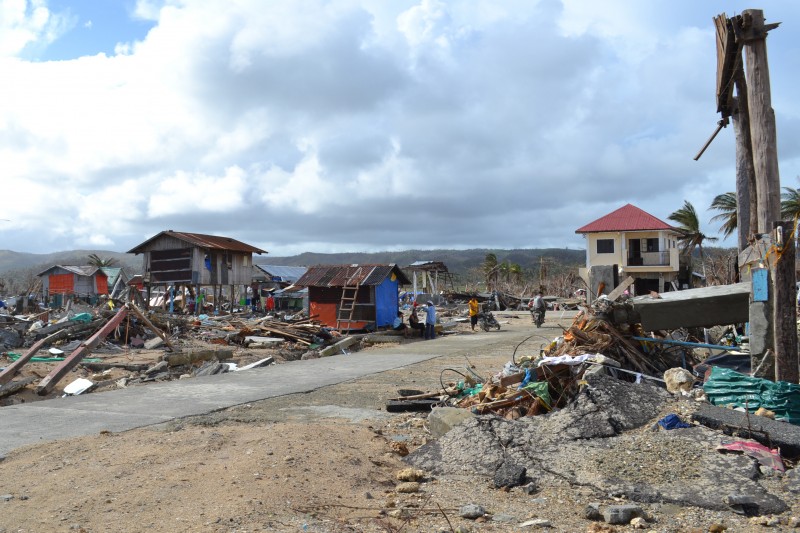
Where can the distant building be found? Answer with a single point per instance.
(630, 242)
(60, 282)
(353, 296)
(279, 281)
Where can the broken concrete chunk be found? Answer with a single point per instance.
(471, 511)
(621, 514)
(509, 474)
(443, 419)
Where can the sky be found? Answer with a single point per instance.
(365, 125)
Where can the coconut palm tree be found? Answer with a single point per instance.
(790, 203)
(97, 261)
(490, 269)
(726, 205)
(689, 227)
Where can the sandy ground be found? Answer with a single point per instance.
(325, 461)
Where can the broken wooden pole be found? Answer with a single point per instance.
(11, 370)
(11, 388)
(150, 325)
(762, 117)
(46, 385)
(785, 307)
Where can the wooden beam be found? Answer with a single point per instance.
(150, 325)
(46, 385)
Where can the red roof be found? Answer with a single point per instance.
(626, 218)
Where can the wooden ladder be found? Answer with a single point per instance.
(347, 305)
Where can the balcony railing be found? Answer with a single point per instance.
(650, 259)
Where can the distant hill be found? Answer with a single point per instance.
(457, 261)
(15, 261)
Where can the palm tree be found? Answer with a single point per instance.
(689, 227)
(490, 268)
(726, 205)
(97, 261)
(790, 203)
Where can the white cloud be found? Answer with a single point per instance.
(464, 116)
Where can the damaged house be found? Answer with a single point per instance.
(630, 242)
(196, 264)
(61, 282)
(353, 297)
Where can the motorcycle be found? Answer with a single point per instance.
(487, 321)
(537, 315)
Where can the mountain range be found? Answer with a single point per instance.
(457, 261)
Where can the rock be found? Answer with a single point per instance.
(536, 522)
(410, 474)
(311, 354)
(639, 523)
(7, 497)
(621, 514)
(592, 512)
(503, 518)
(742, 504)
(471, 511)
(408, 487)
(443, 419)
(509, 475)
(678, 380)
(716, 528)
(156, 368)
(399, 513)
(793, 522)
(530, 488)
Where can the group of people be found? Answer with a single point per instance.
(427, 329)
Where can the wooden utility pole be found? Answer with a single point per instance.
(786, 358)
(762, 117)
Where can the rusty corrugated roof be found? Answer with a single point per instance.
(211, 242)
(339, 275)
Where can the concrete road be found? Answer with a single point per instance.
(139, 406)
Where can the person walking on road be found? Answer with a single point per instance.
(474, 309)
(430, 321)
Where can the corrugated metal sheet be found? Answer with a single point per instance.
(339, 275)
(211, 242)
(285, 273)
(79, 270)
(626, 218)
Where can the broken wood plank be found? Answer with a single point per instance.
(195, 356)
(338, 347)
(14, 386)
(150, 325)
(622, 287)
(46, 385)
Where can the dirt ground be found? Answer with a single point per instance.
(325, 461)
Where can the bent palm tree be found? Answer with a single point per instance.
(689, 227)
(726, 205)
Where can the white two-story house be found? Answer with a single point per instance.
(630, 242)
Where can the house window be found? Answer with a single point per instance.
(605, 246)
(652, 245)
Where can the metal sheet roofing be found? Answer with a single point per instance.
(79, 270)
(340, 275)
(211, 242)
(626, 218)
(285, 273)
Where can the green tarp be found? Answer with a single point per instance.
(728, 387)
